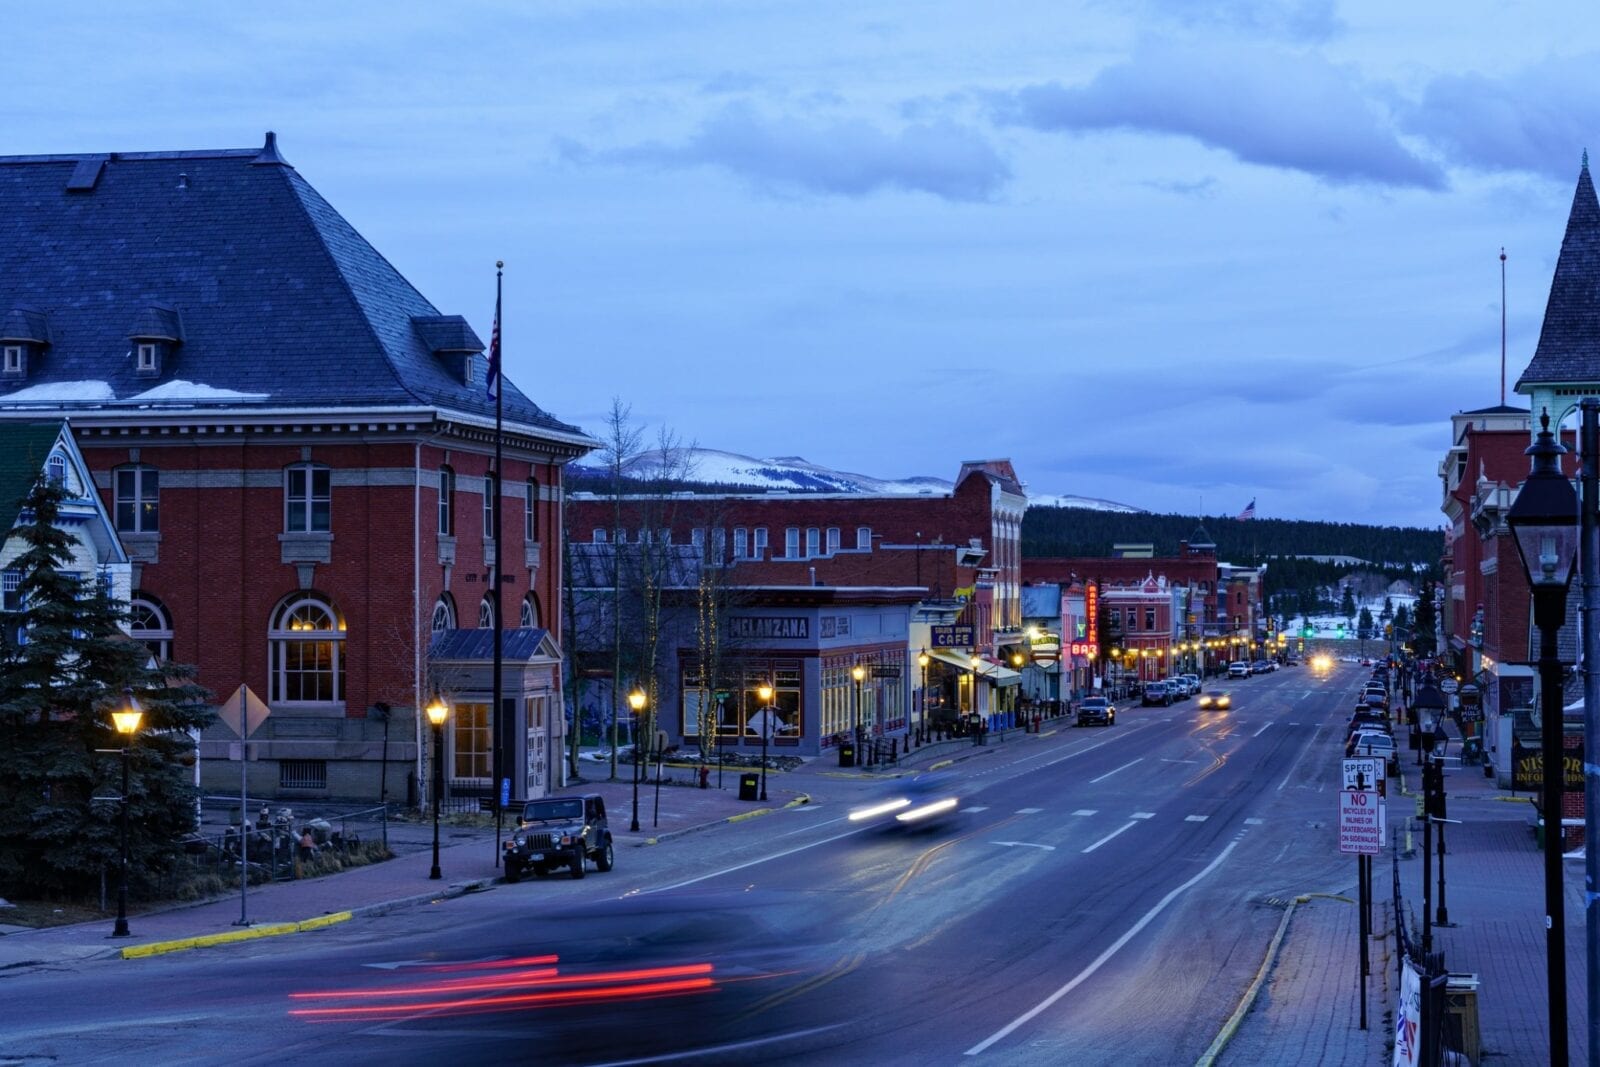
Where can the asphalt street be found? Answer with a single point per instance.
(1105, 896)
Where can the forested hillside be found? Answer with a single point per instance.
(1084, 532)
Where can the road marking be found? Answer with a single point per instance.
(977, 808)
(1108, 774)
(1294, 724)
(1196, 818)
(1143, 815)
(666, 1057)
(1087, 811)
(1100, 960)
(750, 863)
(1029, 811)
(1180, 761)
(1025, 844)
(1253, 822)
(1293, 766)
(1108, 837)
(1261, 731)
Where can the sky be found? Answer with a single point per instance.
(1179, 255)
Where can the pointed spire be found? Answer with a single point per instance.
(1569, 341)
(1585, 159)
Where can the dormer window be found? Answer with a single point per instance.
(24, 332)
(149, 358)
(13, 363)
(156, 336)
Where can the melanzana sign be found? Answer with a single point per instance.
(763, 628)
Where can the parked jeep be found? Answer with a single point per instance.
(560, 832)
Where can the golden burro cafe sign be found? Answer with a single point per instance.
(1527, 765)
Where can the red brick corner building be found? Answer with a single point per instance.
(295, 447)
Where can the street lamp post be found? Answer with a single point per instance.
(858, 672)
(636, 701)
(127, 721)
(764, 692)
(1016, 662)
(438, 711)
(1544, 523)
(922, 717)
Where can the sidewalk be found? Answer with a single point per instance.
(1494, 892)
(466, 859)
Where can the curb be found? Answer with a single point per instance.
(252, 933)
(803, 798)
(1231, 1027)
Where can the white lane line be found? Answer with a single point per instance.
(817, 826)
(1100, 960)
(1108, 837)
(1196, 818)
(1029, 811)
(1295, 765)
(1261, 731)
(1087, 811)
(1108, 774)
(750, 863)
(1025, 844)
(976, 808)
(1253, 822)
(1164, 760)
(1294, 724)
(1143, 815)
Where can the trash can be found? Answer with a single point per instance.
(847, 755)
(749, 786)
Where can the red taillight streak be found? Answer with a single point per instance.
(459, 985)
(493, 965)
(524, 1000)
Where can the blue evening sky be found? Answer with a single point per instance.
(1171, 253)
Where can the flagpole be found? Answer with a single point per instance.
(504, 743)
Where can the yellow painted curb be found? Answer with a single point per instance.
(742, 816)
(1231, 1027)
(941, 764)
(1047, 733)
(1514, 800)
(161, 948)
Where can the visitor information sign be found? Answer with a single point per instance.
(1360, 829)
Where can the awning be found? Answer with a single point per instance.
(990, 671)
(955, 659)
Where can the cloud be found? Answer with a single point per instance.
(847, 157)
(1537, 119)
(1277, 109)
(1301, 20)
(1201, 189)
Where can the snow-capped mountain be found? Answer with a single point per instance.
(711, 466)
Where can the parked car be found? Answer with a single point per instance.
(1239, 669)
(1262, 666)
(1374, 743)
(1194, 683)
(1178, 688)
(1096, 711)
(1156, 693)
(1216, 700)
(560, 832)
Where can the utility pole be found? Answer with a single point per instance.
(1589, 569)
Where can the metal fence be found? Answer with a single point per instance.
(279, 840)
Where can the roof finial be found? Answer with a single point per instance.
(268, 156)
(1585, 159)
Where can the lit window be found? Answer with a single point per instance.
(471, 741)
(307, 499)
(138, 500)
(307, 645)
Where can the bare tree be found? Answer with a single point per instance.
(620, 449)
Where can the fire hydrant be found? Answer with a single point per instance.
(705, 776)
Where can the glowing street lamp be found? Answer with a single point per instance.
(127, 721)
(636, 701)
(764, 693)
(438, 711)
(922, 717)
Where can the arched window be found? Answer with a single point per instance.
(307, 650)
(148, 622)
(530, 612)
(447, 501)
(55, 468)
(444, 616)
(485, 614)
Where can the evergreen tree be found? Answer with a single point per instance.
(1402, 618)
(65, 665)
(1347, 606)
(1423, 640)
(1364, 627)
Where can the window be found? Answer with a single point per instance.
(760, 543)
(55, 469)
(13, 361)
(11, 586)
(148, 622)
(741, 543)
(470, 738)
(147, 356)
(833, 540)
(719, 545)
(447, 502)
(529, 616)
(444, 616)
(697, 538)
(864, 538)
(491, 510)
(308, 505)
(791, 543)
(1149, 618)
(530, 528)
(307, 650)
(485, 614)
(813, 541)
(138, 500)
(599, 536)
(303, 774)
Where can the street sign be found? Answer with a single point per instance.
(243, 712)
(880, 670)
(1360, 829)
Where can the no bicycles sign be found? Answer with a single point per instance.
(1360, 825)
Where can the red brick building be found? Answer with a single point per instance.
(296, 447)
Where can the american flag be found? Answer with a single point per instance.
(494, 353)
(1249, 512)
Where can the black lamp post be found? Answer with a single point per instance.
(1016, 663)
(1430, 700)
(922, 718)
(858, 672)
(127, 721)
(764, 691)
(1544, 523)
(636, 701)
(438, 711)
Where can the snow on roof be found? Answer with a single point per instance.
(180, 390)
(61, 393)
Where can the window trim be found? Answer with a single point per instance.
(148, 357)
(491, 507)
(13, 359)
(309, 500)
(144, 504)
(281, 635)
(530, 515)
(161, 634)
(56, 462)
(863, 538)
(447, 501)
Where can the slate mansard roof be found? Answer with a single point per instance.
(1569, 341)
(262, 294)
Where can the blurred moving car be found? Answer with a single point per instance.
(1216, 700)
(1096, 711)
(918, 800)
